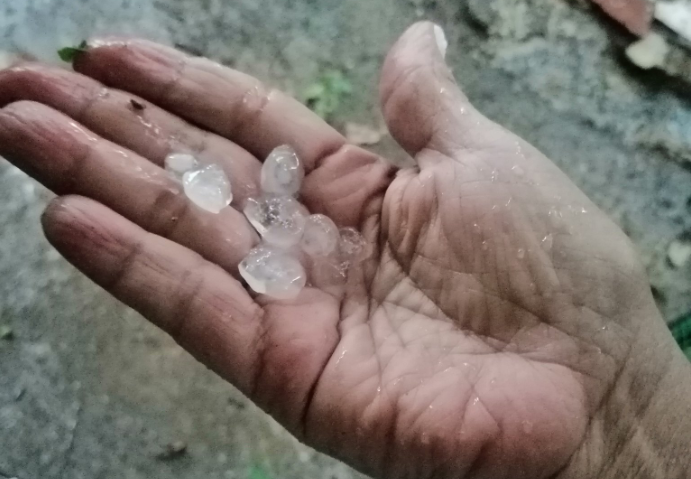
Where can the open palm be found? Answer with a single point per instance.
(480, 337)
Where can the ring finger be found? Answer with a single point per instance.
(70, 159)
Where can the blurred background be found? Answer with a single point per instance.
(90, 390)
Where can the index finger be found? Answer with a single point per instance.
(226, 101)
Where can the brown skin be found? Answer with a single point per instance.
(502, 326)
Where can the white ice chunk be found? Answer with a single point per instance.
(351, 245)
(208, 187)
(282, 172)
(273, 272)
(280, 220)
(320, 237)
(177, 164)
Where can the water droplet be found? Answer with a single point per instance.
(379, 390)
(555, 217)
(495, 174)
(340, 358)
(518, 171)
(476, 228)
(475, 401)
(547, 242)
(584, 210)
(509, 202)
(519, 150)
(520, 253)
(485, 246)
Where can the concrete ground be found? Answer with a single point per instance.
(90, 390)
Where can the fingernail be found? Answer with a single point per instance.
(442, 43)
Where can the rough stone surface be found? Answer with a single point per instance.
(90, 390)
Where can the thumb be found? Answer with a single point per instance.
(422, 104)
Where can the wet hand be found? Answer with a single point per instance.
(482, 337)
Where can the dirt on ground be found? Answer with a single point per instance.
(88, 389)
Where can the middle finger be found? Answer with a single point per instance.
(130, 121)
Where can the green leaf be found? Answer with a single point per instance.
(325, 95)
(314, 91)
(258, 472)
(68, 54)
(681, 330)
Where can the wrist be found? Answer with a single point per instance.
(652, 433)
(643, 427)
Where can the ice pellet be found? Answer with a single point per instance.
(177, 164)
(273, 272)
(208, 187)
(282, 172)
(351, 245)
(280, 220)
(320, 237)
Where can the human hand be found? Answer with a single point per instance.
(494, 331)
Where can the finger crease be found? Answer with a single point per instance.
(404, 76)
(168, 211)
(167, 91)
(125, 266)
(329, 152)
(73, 172)
(187, 290)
